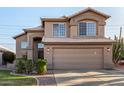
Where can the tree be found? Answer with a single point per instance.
(8, 57)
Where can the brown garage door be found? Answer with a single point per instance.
(78, 58)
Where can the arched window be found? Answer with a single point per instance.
(87, 28)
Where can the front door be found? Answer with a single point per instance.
(37, 49)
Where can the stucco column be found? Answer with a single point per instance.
(30, 47)
(101, 29)
(48, 56)
(108, 57)
(73, 31)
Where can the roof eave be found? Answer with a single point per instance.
(79, 43)
(28, 30)
(54, 19)
(14, 37)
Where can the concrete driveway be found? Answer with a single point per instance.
(89, 78)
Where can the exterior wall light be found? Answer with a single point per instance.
(48, 50)
(95, 53)
(108, 49)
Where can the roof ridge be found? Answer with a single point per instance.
(88, 9)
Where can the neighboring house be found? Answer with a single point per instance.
(3, 49)
(73, 42)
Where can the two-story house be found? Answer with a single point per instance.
(73, 42)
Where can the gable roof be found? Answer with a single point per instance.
(21, 34)
(38, 28)
(60, 19)
(89, 9)
(66, 18)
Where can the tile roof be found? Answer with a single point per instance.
(34, 28)
(65, 18)
(23, 33)
(89, 9)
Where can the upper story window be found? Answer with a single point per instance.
(87, 29)
(24, 44)
(59, 30)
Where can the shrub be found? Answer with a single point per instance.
(24, 65)
(28, 66)
(20, 66)
(8, 57)
(41, 66)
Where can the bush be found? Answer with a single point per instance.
(41, 66)
(20, 66)
(28, 66)
(8, 57)
(24, 65)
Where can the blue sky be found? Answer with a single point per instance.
(13, 20)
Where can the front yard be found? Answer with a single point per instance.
(6, 79)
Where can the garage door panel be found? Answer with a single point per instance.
(77, 58)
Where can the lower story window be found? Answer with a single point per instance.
(40, 45)
(24, 44)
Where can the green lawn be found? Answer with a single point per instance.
(12, 80)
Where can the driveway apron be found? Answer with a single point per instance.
(88, 77)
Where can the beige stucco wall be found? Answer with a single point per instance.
(107, 55)
(88, 16)
(49, 28)
(19, 51)
(27, 37)
(30, 37)
(72, 25)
